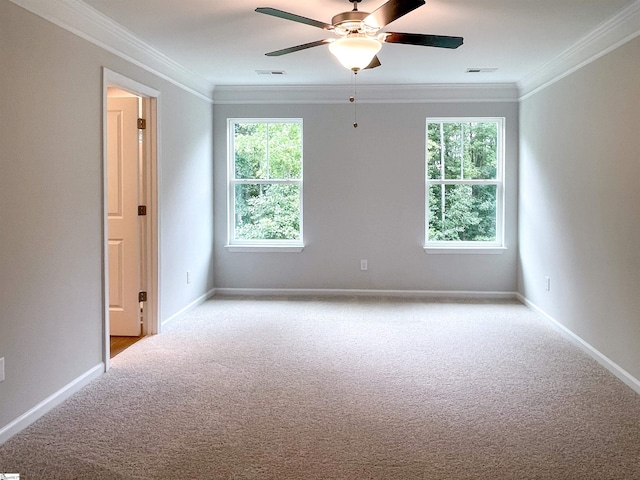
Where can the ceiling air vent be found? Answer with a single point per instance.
(481, 70)
(270, 72)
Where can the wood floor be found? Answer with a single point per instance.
(119, 344)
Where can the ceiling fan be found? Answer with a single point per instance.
(359, 33)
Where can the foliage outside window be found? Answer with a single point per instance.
(265, 181)
(464, 186)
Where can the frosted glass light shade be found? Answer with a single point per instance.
(355, 52)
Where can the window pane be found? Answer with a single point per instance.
(250, 144)
(285, 150)
(480, 150)
(452, 141)
(463, 213)
(267, 212)
(444, 150)
(462, 150)
(434, 151)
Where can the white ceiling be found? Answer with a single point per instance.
(225, 41)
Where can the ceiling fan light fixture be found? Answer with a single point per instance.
(355, 52)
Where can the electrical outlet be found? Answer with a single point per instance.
(364, 265)
(547, 284)
(2, 369)
(188, 276)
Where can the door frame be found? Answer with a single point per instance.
(150, 240)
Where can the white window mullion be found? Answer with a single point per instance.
(251, 181)
(266, 152)
(442, 170)
(464, 182)
(462, 152)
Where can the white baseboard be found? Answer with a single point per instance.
(338, 292)
(26, 419)
(589, 349)
(201, 299)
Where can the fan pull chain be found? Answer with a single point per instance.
(352, 99)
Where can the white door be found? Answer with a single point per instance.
(122, 200)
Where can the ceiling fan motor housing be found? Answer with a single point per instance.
(350, 16)
(351, 22)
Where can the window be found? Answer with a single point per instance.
(464, 184)
(265, 182)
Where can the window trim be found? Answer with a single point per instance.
(259, 245)
(470, 247)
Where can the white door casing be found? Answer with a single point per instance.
(122, 209)
(149, 195)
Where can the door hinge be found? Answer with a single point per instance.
(142, 296)
(142, 210)
(142, 123)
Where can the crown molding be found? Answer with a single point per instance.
(609, 35)
(327, 94)
(86, 22)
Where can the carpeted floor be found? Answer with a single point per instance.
(342, 389)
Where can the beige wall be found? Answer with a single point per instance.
(51, 204)
(580, 203)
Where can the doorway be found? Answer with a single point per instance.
(130, 233)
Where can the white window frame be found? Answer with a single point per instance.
(258, 245)
(471, 247)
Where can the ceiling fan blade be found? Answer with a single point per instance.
(390, 11)
(297, 48)
(293, 17)
(440, 41)
(375, 62)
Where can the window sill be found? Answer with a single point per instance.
(264, 248)
(464, 250)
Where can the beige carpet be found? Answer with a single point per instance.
(342, 389)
